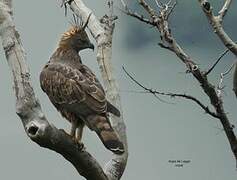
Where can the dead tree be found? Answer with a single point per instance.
(160, 20)
(37, 127)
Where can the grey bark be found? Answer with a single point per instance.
(102, 31)
(29, 110)
(160, 20)
(216, 23)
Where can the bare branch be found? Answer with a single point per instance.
(168, 42)
(28, 107)
(222, 75)
(123, 3)
(235, 80)
(224, 9)
(59, 141)
(216, 23)
(159, 4)
(102, 31)
(137, 16)
(147, 8)
(217, 61)
(172, 8)
(161, 23)
(164, 46)
(155, 92)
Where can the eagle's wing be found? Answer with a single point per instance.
(66, 85)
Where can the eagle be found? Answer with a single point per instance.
(76, 92)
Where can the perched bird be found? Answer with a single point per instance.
(76, 92)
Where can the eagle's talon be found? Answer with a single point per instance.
(80, 145)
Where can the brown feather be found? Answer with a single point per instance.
(76, 92)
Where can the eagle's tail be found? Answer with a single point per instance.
(111, 141)
(107, 135)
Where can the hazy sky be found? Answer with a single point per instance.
(157, 132)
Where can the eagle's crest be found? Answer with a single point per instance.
(76, 92)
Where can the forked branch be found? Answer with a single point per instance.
(102, 30)
(224, 9)
(216, 23)
(160, 20)
(172, 95)
(29, 110)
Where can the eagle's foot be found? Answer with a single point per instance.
(79, 144)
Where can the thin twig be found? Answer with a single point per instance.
(134, 91)
(135, 14)
(145, 88)
(124, 4)
(159, 4)
(155, 92)
(172, 8)
(222, 75)
(217, 61)
(216, 23)
(162, 25)
(224, 9)
(138, 16)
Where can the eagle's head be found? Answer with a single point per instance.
(76, 37)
